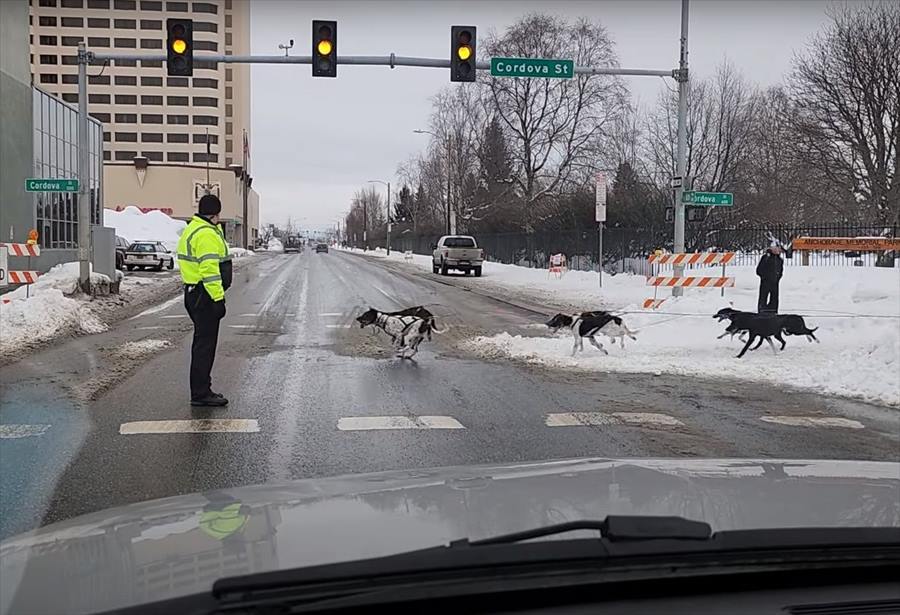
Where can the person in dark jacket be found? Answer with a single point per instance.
(769, 270)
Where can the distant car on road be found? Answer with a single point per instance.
(148, 255)
(121, 247)
(293, 244)
(458, 252)
(322, 247)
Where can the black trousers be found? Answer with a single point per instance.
(205, 315)
(768, 296)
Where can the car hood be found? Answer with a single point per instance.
(176, 546)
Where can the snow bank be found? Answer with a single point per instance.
(134, 225)
(275, 245)
(240, 252)
(47, 312)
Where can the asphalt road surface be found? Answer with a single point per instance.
(104, 420)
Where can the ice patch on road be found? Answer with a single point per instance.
(141, 348)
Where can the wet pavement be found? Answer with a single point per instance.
(90, 423)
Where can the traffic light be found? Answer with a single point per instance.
(324, 50)
(180, 47)
(462, 53)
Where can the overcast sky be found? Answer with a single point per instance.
(316, 140)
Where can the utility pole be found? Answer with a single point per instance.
(84, 189)
(245, 236)
(389, 219)
(681, 76)
(449, 153)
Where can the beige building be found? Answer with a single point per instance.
(155, 127)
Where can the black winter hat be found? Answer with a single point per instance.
(210, 205)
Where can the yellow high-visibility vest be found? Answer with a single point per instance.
(201, 248)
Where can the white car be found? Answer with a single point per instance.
(147, 255)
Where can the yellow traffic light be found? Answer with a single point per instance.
(464, 52)
(179, 46)
(324, 47)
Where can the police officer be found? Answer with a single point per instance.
(206, 272)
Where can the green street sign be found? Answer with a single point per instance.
(713, 199)
(532, 67)
(51, 185)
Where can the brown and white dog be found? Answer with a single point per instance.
(589, 324)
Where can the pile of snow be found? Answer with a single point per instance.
(275, 245)
(135, 225)
(240, 252)
(47, 311)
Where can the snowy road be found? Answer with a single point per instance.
(103, 420)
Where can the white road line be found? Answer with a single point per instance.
(9, 432)
(579, 419)
(190, 426)
(249, 315)
(337, 326)
(241, 326)
(150, 328)
(160, 307)
(383, 292)
(367, 423)
(813, 421)
(175, 316)
(330, 314)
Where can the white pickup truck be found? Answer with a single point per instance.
(458, 252)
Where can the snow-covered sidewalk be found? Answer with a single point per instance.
(856, 311)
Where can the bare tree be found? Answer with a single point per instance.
(846, 89)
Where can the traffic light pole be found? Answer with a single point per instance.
(681, 76)
(84, 189)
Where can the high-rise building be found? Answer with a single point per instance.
(155, 127)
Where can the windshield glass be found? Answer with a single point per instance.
(380, 295)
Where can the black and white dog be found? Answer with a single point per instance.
(589, 324)
(419, 312)
(405, 330)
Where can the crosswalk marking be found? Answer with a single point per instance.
(579, 419)
(9, 432)
(337, 326)
(813, 421)
(366, 423)
(331, 314)
(190, 426)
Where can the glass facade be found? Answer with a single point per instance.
(56, 157)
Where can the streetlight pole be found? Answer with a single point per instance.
(681, 152)
(449, 153)
(388, 184)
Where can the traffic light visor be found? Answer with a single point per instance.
(179, 46)
(464, 52)
(324, 47)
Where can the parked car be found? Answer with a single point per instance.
(322, 247)
(458, 252)
(121, 247)
(148, 254)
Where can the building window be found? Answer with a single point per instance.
(205, 26)
(126, 63)
(204, 64)
(71, 79)
(45, 20)
(98, 41)
(125, 80)
(229, 145)
(229, 128)
(201, 138)
(107, 155)
(98, 99)
(151, 63)
(177, 119)
(151, 5)
(177, 82)
(98, 4)
(126, 118)
(227, 20)
(126, 156)
(47, 40)
(48, 59)
(72, 22)
(71, 41)
(228, 38)
(206, 120)
(49, 3)
(49, 79)
(204, 157)
(151, 43)
(153, 156)
(177, 157)
(151, 137)
(126, 43)
(107, 136)
(125, 24)
(92, 79)
(154, 24)
(229, 92)
(151, 118)
(126, 137)
(151, 81)
(180, 101)
(98, 22)
(177, 137)
(125, 5)
(229, 110)
(205, 101)
(126, 99)
(70, 98)
(70, 60)
(206, 46)
(151, 100)
(227, 5)
(71, 4)
(206, 7)
(203, 82)
(101, 117)
(177, 7)
(229, 74)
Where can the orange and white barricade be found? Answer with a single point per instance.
(26, 250)
(558, 265)
(700, 259)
